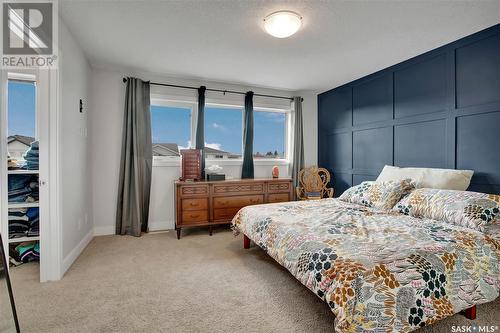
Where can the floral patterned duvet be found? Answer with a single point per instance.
(377, 271)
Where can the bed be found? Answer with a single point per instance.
(378, 271)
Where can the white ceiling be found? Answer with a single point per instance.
(224, 40)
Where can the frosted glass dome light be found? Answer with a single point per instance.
(282, 24)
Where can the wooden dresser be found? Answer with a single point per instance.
(208, 203)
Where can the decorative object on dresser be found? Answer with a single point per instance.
(213, 172)
(209, 203)
(313, 184)
(191, 164)
(276, 172)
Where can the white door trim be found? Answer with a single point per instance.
(51, 235)
(47, 104)
(3, 163)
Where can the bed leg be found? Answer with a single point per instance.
(246, 242)
(470, 313)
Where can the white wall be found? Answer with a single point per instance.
(106, 111)
(74, 178)
(105, 130)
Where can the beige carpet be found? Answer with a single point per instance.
(197, 284)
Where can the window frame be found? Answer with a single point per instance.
(28, 77)
(193, 105)
(287, 139)
(164, 160)
(233, 107)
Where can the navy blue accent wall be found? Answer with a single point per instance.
(440, 109)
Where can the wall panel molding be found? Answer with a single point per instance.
(440, 109)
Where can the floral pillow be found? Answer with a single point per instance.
(381, 195)
(467, 209)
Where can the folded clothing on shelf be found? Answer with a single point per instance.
(23, 188)
(31, 157)
(24, 222)
(25, 252)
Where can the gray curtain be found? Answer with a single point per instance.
(136, 162)
(200, 127)
(298, 140)
(247, 169)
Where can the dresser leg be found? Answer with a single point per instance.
(178, 233)
(210, 230)
(246, 242)
(470, 313)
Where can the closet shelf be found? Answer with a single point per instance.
(24, 205)
(24, 239)
(23, 172)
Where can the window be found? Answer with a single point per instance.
(173, 127)
(269, 134)
(21, 117)
(170, 129)
(223, 132)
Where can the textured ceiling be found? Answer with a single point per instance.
(224, 40)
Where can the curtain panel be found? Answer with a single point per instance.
(136, 161)
(298, 140)
(247, 168)
(200, 127)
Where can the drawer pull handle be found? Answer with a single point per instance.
(193, 204)
(193, 216)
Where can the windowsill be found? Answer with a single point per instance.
(269, 161)
(166, 162)
(176, 162)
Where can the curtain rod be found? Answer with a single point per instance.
(216, 90)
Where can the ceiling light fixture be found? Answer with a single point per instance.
(283, 23)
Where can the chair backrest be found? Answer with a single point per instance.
(314, 179)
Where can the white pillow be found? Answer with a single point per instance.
(444, 179)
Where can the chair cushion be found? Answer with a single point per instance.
(313, 195)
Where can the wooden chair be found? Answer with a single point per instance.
(312, 184)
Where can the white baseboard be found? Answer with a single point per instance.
(71, 257)
(153, 226)
(161, 225)
(107, 230)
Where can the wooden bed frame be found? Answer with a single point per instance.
(469, 313)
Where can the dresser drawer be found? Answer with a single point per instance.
(277, 187)
(235, 189)
(194, 216)
(194, 204)
(194, 190)
(225, 213)
(238, 201)
(279, 197)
